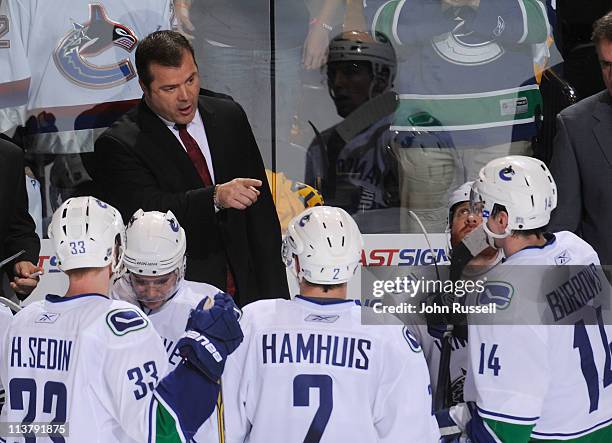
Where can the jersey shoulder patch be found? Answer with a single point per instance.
(412, 341)
(122, 321)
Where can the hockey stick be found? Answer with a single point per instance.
(440, 400)
(10, 304)
(12, 257)
(367, 114)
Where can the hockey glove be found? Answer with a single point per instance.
(211, 335)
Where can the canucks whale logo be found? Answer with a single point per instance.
(462, 46)
(498, 292)
(90, 39)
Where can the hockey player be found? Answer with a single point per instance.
(536, 382)
(461, 221)
(98, 364)
(309, 370)
(154, 281)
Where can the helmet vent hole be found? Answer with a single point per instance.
(325, 227)
(532, 202)
(64, 229)
(311, 247)
(526, 181)
(341, 225)
(329, 242)
(64, 212)
(343, 241)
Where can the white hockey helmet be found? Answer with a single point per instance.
(156, 244)
(327, 243)
(459, 195)
(87, 233)
(523, 185)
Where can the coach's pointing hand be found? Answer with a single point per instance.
(240, 193)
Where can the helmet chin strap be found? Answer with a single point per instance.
(492, 235)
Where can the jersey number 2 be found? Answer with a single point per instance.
(53, 393)
(301, 397)
(4, 29)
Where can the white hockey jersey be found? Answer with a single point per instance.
(309, 371)
(86, 360)
(554, 376)
(170, 321)
(74, 55)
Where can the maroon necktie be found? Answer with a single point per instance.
(199, 162)
(195, 154)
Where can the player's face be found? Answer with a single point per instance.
(153, 291)
(464, 222)
(604, 51)
(349, 83)
(173, 92)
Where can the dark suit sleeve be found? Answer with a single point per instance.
(263, 229)
(21, 232)
(565, 169)
(128, 184)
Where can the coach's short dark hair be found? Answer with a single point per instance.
(602, 29)
(163, 48)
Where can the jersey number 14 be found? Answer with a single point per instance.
(587, 361)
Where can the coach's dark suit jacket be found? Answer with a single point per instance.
(139, 163)
(582, 168)
(17, 229)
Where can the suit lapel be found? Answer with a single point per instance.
(167, 152)
(603, 128)
(217, 143)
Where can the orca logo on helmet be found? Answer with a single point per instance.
(101, 204)
(304, 220)
(507, 173)
(174, 225)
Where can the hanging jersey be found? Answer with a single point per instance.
(308, 371)
(555, 377)
(87, 361)
(473, 72)
(169, 322)
(78, 58)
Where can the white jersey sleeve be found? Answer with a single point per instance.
(169, 321)
(134, 364)
(508, 371)
(404, 376)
